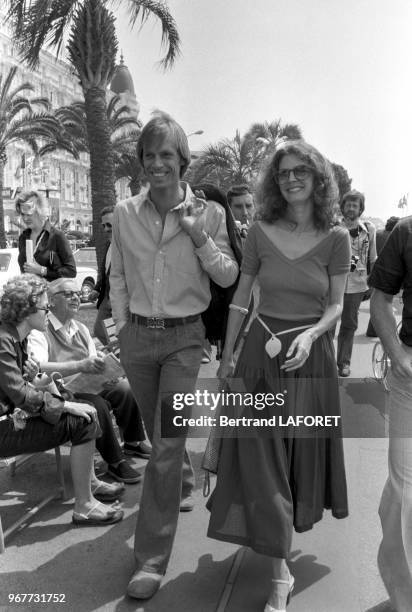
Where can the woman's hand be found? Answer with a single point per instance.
(31, 368)
(86, 411)
(300, 347)
(32, 268)
(226, 368)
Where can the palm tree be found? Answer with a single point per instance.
(19, 121)
(270, 134)
(127, 165)
(228, 162)
(124, 128)
(92, 51)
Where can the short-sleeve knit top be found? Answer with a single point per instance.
(295, 289)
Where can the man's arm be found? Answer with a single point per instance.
(384, 322)
(119, 295)
(216, 255)
(39, 348)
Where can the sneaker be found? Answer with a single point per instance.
(124, 473)
(344, 371)
(143, 449)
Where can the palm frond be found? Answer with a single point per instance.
(142, 10)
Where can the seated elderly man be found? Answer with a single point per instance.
(67, 347)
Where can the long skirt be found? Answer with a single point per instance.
(270, 480)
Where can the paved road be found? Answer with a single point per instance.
(334, 564)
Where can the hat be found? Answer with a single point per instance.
(62, 284)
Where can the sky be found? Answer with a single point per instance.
(341, 70)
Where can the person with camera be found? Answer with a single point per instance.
(363, 256)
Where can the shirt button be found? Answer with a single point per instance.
(157, 222)
(157, 280)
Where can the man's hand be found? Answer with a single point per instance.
(192, 219)
(82, 410)
(92, 365)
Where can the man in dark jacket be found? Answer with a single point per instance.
(104, 309)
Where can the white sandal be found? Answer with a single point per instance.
(291, 585)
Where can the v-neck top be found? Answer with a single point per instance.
(295, 289)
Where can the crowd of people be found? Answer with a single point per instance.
(294, 254)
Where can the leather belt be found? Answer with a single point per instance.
(159, 323)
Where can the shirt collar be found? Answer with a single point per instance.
(71, 328)
(183, 204)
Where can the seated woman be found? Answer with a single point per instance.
(48, 421)
(52, 255)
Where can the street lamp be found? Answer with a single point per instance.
(197, 133)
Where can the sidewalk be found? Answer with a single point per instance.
(334, 564)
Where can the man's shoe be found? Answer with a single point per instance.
(124, 473)
(144, 585)
(143, 449)
(187, 504)
(344, 371)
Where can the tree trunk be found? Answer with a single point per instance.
(101, 162)
(3, 242)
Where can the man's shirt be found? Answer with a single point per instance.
(393, 271)
(157, 271)
(38, 345)
(363, 245)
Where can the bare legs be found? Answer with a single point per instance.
(282, 585)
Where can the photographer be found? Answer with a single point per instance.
(363, 245)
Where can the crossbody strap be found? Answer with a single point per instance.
(285, 331)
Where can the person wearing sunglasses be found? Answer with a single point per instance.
(102, 289)
(67, 347)
(50, 254)
(274, 479)
(32, 420)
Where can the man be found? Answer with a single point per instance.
(393, 271)
(67, 347)
(363, 246)
(240, 200)
(166, 244)
(381, 238)
(102, 289)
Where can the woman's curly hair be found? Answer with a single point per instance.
(273, 206)
(20, 296)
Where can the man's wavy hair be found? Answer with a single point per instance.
(273, 206)
(20, 296)
(161, 126)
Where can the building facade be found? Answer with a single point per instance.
(64, 180)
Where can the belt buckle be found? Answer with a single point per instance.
(155, 323)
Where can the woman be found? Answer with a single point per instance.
(52, 255)
(276, 479)
(34, 420)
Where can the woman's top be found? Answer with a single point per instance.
(15, 391)
(295, 289)
(52, 251)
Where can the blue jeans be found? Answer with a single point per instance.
(158, 361)
(348, 326)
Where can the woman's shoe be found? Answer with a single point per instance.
(98, 515)
(282, 589)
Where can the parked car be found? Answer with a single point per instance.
(9, 267)
(86, 264)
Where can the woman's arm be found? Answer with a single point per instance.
(302, 344)
(241, 298)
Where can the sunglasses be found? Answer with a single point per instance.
(69, 294)
(46, 309)
(299, 172)
(108, 225)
